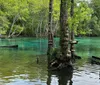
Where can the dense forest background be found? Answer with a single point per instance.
(30, 17)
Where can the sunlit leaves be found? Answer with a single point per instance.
(33, 12)
(82, 15)
(4, 24)
(56, 9)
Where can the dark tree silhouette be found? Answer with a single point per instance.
(50, 34)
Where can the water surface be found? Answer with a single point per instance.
(19, 66)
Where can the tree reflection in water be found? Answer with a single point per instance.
(64, 76)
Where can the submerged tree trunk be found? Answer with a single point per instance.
(64, 34)
(50, 34)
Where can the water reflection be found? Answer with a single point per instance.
(86, 46)
(63, 77)
(19, 67)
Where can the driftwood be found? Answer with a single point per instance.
(10, 46)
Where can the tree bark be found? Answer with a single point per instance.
(64, 35)
(72, 30)
(50, 34)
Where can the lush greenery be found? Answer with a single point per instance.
(30, 17)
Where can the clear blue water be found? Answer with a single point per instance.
(19, 67)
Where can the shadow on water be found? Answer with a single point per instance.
(64, 76)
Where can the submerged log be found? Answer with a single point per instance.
(96, 57)
(77, 57)
(9, 46)
(95, 60)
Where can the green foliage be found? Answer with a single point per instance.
(94, 24)
(82, 15)
(31, 17)
(56, 10)
(4, 24)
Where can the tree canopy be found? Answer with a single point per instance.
(30, 17)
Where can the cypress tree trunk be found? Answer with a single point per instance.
(72, 30)
(64, 34)
(50, 35)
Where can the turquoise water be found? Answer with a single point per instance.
(34, 46)
(19, 66)
(88, 47)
